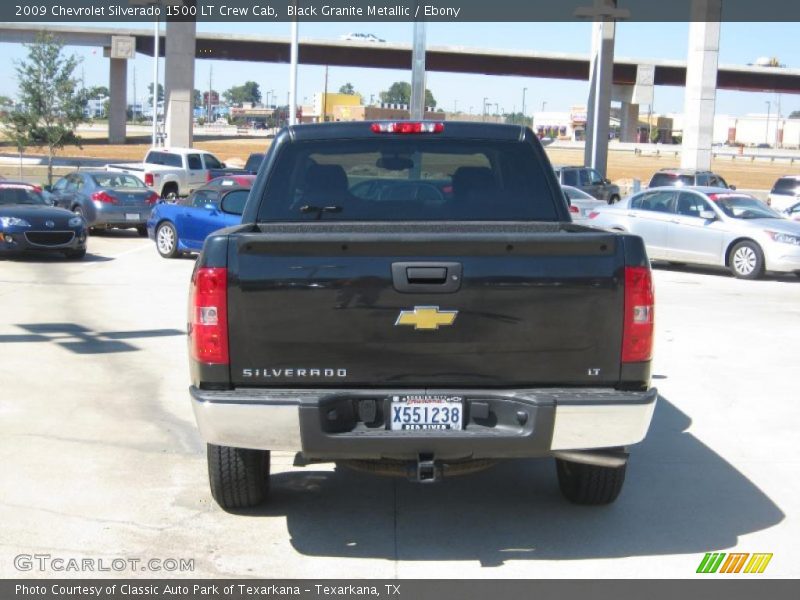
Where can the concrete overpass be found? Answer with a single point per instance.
(182, 41)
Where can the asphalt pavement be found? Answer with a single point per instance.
(101, 459)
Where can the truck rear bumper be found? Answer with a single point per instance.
(328, 423)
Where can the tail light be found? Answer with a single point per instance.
(149, 180)
(37, 188)
(153, 198)
(209, 176)
(208, 318)
(407, 127)
(103, 197)
(594, 214)
(574, 209)
(637, 332)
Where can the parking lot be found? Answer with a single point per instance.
(101, 457)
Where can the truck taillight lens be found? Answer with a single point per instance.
(153, 198)
(407, 127)
(208, 318)
(149, 180)
(209, 176)
(574, 210)
(103, 197)
(637, 333)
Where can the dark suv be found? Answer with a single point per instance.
(588, 180)
(687, 177)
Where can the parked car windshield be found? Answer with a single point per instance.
(660, 179)
(576, 194)
(744, 207)
(19, 194)
(401, 179)
(118, 181)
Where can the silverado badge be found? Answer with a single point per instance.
(426, 317)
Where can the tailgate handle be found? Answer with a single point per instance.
(426, 277)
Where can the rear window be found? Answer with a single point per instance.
(660, 179)
(785, 185)
(254, 163)
(569, 177)
(166, 159)
(117, 180)
(391, 179)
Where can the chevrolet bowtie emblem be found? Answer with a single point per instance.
(427, 317)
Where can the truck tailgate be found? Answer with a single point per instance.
(356, 305)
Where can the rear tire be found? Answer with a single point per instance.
(613, 199)
(167, 240)
(170, 192)
(746, 260)
(589, 484)
(239, 477)
(142, 231)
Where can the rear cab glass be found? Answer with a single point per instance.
(408, 179)
(785, 185)
(166, 159)
(665, 179)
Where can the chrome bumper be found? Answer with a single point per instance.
(291, 420)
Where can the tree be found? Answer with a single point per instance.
(197, 99)
(518, 119)
(240, 94)
(16, 131)
(53, 105)
(348, 89)
(400, 93)
(795, 114)
(150, 93)
(98, 92)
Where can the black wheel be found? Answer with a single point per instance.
(746, 260)
(142, 230)
(589, 484)
(75, 254)
(170, 193)
(239, 477)
(167, 240)
(613, 199)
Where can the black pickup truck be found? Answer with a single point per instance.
(412, 298)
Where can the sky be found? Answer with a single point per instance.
(740, 44)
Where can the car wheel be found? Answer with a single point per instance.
(747, 260)
(78, 211)
(170, 193)
(75, 254)
(167, 240)
(141, 230)
(589, 484)
(613, 199)
(239, 477)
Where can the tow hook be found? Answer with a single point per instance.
(427, 470)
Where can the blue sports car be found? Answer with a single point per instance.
(182, 227)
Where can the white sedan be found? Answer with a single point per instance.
(707, 226)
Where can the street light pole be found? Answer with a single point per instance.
(523, 104)
(483, 111)
(293, 76)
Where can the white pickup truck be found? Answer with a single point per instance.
(174, 172)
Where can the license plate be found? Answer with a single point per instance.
(131, 216)
(426, 412)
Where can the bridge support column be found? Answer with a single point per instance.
(179, 82)
(601, 74)
(701, 84)
(118, 101)
(629, 122)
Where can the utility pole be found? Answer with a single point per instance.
(292, 99)
(133, 112)
(766, 136)
(210, 87)
(156, 38)
(325, 98)
(483, 111)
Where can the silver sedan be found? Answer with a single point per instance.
(581, 204)
(707, 226)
